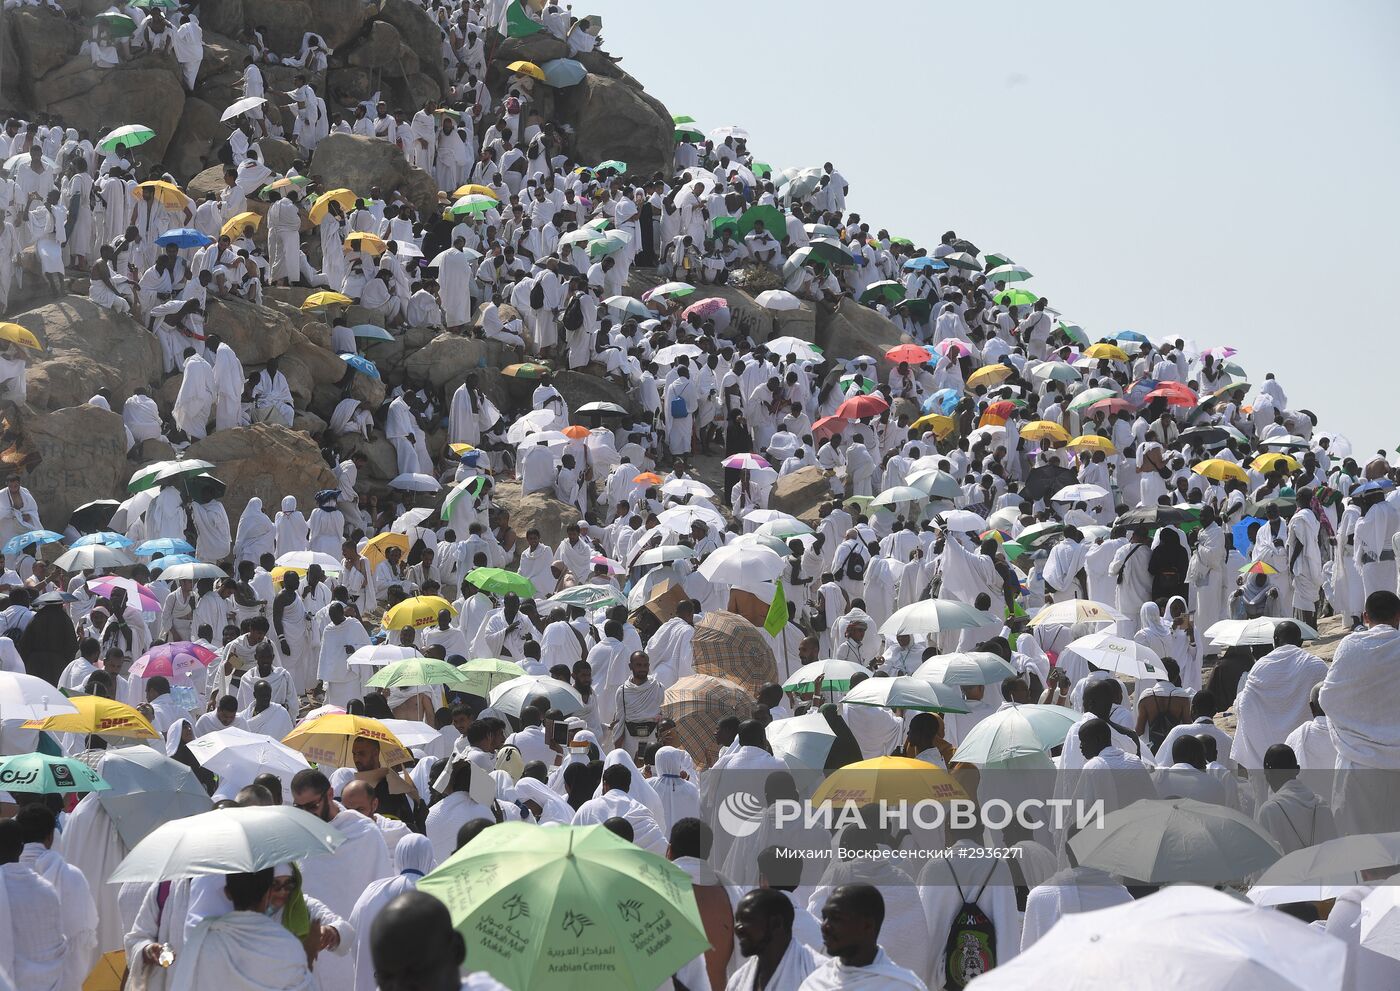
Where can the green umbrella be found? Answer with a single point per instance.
(682, 119)
(569, 908)
(474, 485)
(1016, 731)
(586, 597)
(499, 581)
(829, 252)
(862, 383)
(720, 224)
(772, 219)
(1074, 332)
(484, 673)
(996, 259)
(612, 163)
(473, 203)
(902, 240)
(41, 774)
(918, 308)
(1089, 397)
(130, 135)
(762, 170)
(1008, 273)
(152, 4)
(117, 25)
(688, 134)
(882, 292)
(417, 671)
(1015, 297)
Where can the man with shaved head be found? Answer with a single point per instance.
(851, 921)
(415, 948)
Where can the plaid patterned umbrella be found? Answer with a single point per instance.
(726, 645)
(697, 703)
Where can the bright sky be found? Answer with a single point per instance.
(1223, 172)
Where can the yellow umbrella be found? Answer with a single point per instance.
(1220, 469)
(108, 974)
(317, 300)
(96, 714)
(1092, 442)
(476, 188)
(1045, 430)
(233, 227)
(376, 546)
(419, 612)
(888, 779)
(344, 197)
(941, 425)
(329, 740)
(167, 193)
(372, 243)
(460, 449)
(989, 375)
(528, 69)
(1103, 350)
(22, 336)
(1267, 462)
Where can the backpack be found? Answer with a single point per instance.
(971, 948)
(854, 568)
(573, 314)
(679, 410)
(537, 296)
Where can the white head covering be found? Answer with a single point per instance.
(172, 736)
(414, 853)
(553, 809)
(640, 789)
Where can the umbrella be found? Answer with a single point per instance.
(571, 908)
(667, 290)
(1273, 461)
(1015, 731)
(661, 555)
(173, 660)
(745, 462)
(911, 353)
(962, 521)
(892, 780)
(1071, 612)
(586, 597)
(415, 481)
(85, 714)
(679, 519)
(1015, 297)
(525, 370)
(1089, 397)
(376, 654)
(137, 595)
(482, 674)
(898, 494)
(1092, 442)
(240, 755)
(1105, 351)
(498, 581)
(167, 194)
(938, 484)
(1253, 632)
(802, 742)
(376, 547)
(697, 703)
(1162, 841)
(329, 739)
(117, 25)
(835, 675)
(235, 225)
(302, 560)
(184, 237)
(320, 300)
(19, 542)
(527, 69)
(907, 692)
(705, 309)
(1111, 653)
(963, 260)
(1335, 861)
(780, 300)
(1152, 518)
(1007, 272)
(989, 375)
(859, 407)
(628, 306)
(418, 611)
(110, 972)
(162, 546)
(741, 565)
(931, 616)
(1220, 469)
(43, 774)
(239, 107)
(146, 790)
(974, 667)
(1181, 937)
(513, 695)
(1079, 493)
(343, 198)
(228, 841)
(616, 165)
(728, 646)
(925, 262)
(1045, 430)
(417, 671)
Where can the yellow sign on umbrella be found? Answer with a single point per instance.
(1092, 442)
(1045, 430)
(888, 779)
(104, 716)
(22, 336)
(235, 225)
(527, 69)
(989, 375)
(1219, 469)
(330, 739)
(419, 612)
(344, 198)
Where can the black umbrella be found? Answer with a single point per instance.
(91, 517)
(1151, 517)
(202, 488)
(1047, 480)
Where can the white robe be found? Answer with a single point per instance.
(79, 911)
(32, 944)
(338, 879)
(246, 951)
(883, 974)
(797, 964)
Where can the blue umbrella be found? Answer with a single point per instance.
(932, 264)
(1240, 531)
(19, 542)
(563, 72)
(164, 545)
(370, 332)
(185, 237)
(168, 560)
(106, 538)
(1130, 335)
(943, 401)
(361, 364)
(1376, 485)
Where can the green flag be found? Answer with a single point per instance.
(518, 23)
(777, 617)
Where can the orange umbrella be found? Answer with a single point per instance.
(648, 478)
(911, 353)
(575, 432)
(828, 425)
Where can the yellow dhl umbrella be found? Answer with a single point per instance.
(989, 375)
(330, 740)
(22, 336)
(1220, 469)
(96, 714)
(1092, 442)
(474, 188)
(940, 425)
(317, 300)
(233, 227)
(1104, 350)
(345, 198)
(376, 546)
(1045, 430)
(1270, 462)
(167, 193)
(372, 243)
(419, 612)
(888, 779)
(109, 973)
(527, 69)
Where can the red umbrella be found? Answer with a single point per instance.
(1114, 405)
(858, 407)
(1003, 409)
(828, 425)
(911, 353)
(1174, 397)
(1185, 390)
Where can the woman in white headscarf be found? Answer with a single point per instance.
(1160, 636)
(640, 789)
(680, 798)
(292, 532)
(256, 534)
(414, 855)
(542, 804)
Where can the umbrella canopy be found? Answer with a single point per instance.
(740, 565)
(501, 582)
(931, 616)
(414, 672)
(1253, 632)
(586, 597)
(163, 546)
(329, 739)
(43, 774)
(1335, 861)
(377, 654)
(511, 696)
(1112, 653)
(1045, 430)
(167, 194)
(697, 703)
(859, 407)
(1220, 470)
(560, 893)
(19, 542)
(235, 226)
(835, 676)
(893, 780)
(418, 611)
(228, 841)
(974, 667)
(916, 694)
(343, 198)
(322, 299)
(184, 237)
(802, 742)
(1071, 612)
(173, 660)
(1164, 841)
(415, 481)
(679, 519)
(89, 714)
(1016, 731)
(137, 595)
(484, 673)
(146, 789)
(240, 755)
(726, 645)
(780, 300)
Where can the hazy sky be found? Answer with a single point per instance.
(1225, 172)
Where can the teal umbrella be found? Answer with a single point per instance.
(612, 163)
(41, 774)
(562, 73)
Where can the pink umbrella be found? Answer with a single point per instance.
(173, 660)
(135, 591)
(1220, 354)
(704, 308)
(953, 344)
(743, 461)
(613, 567)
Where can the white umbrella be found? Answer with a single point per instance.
(907, 693)
(1079, 493)
(963, 521)
(1335, 861)
(191, 572)
(23, 696)
(681, 487)
(935, 483)
(228, 841)
(301, 560)
(1182, 937)
(1072, 612)
(973, 667)
(1380, 921)
(900, 493)
(1016, 731)
(803, 743)
(934, 616)
(379, 654)
(783, 529)
(835, 674)
(239, 107)
(1267, 895)
(415, 481)
(669, 354)
(779, 301)
(1253, 632)
(1163, 841)
(412, 732)
(679, 518)
(728, 131)
(761, 516)
(1112, 653)
(660, 555)
(731, 565)
(510, 696)
(532, 422)
(94, 557)
(241, 756)
(795, 346)
(411, 520)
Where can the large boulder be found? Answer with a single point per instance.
(581, 388)
(211, 180)
(538, 48)
(801, 493)
(196, 141)
(419, 33)
(446, 360)
(287, 21)
(223, 17)
(82, 457)
(800, 323)
(268, 461)
(538, 510)
(378, 48)
(353, 161)
(87, 348)
(86, 97)
(851, 330)
(612, 119)
(38, 41)
(256, 333)
(745, 316)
